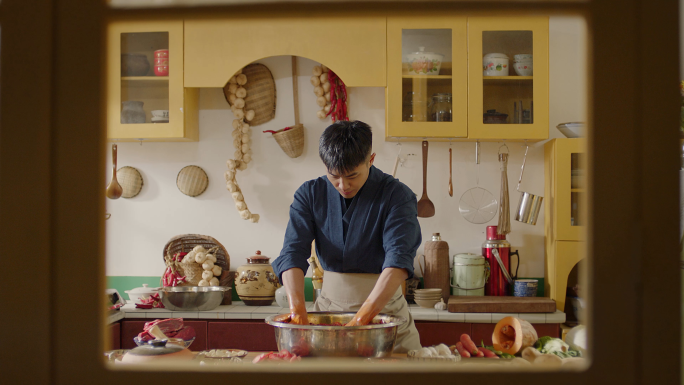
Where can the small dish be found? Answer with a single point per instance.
(186, 343)
(223, 353)
(426, 303)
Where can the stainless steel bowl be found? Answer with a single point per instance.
(375, 340)
(192, 297)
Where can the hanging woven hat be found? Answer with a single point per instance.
(261, 93)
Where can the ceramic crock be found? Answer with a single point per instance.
(470, 272)
(255, 282)
(132, 112)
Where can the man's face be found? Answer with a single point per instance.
(349, 183)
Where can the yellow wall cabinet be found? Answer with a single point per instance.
(469, 97)
(132, 84)
(427, 78)
(565, 208)
(353, 47)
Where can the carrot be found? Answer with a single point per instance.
(468, 344)
(487, 353)
(461, 350)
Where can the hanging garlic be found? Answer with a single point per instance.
(208, 265)
(245, 214)
(237, 196)
(240, 102)
(241, 80)
(315, 81)
(254, 218)
(207, 275)
(317, 71)
(231, 186)
(232, 87)
(216, 270)
(200, 257)
(203, 283)
(230, 175)
(211, 257)
(249, 115)
(214, 282)
(241, 92)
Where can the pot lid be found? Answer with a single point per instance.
(495, 55)
(156, 348)
(421, 51)
(143, 289)
(571, 124)
(258, 258)
(469, 256)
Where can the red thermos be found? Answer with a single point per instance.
(497, 284)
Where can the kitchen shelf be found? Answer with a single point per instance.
(426, 76)
(146, 78)
(509, 78)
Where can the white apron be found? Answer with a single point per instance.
(347, 292)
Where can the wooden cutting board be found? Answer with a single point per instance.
(486, 304)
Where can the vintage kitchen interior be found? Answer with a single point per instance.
(209, 138)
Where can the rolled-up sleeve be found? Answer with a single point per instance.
(401, 236)
(299, 234)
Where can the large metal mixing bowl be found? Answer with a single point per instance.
(192, 297)
(374, 340)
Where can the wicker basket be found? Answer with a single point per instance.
(186, 242)
(291, 141)
(261, 93)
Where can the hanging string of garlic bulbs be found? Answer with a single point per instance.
(241, 141)
(321, 89)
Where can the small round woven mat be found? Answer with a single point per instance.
(192, 181)
(130, 180)
(261, 93)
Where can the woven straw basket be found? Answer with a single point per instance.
(193, 272)
(291, 141)
(130, 180)
(192, 181)
(261, 93)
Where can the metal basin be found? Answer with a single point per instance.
(192, 297)
(375, 340)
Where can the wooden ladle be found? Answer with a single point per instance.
(426, 208)
(114, 190)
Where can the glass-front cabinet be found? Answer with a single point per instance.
(146, 98)
(508, 78)
(566, 188)
(427, 77)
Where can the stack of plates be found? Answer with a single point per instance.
(159, 120)
(427, 298)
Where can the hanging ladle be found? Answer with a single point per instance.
(426, 208)
(529, 204)
(114, 190)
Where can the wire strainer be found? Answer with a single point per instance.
(478, 205)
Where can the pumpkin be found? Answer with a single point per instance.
(513, 334)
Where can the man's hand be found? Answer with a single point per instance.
(365, 315)
(293, 279)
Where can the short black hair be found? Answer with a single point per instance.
(345, 145)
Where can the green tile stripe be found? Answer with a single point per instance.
(123, 283)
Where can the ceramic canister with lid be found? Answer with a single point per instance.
(436, 258)
(495, 64)
(470, 274)
(256, 282)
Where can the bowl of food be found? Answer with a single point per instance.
(192, 298)
(326, 335)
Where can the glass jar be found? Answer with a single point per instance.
(440, 108)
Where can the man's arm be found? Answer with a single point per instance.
(293, 280)
(389, 281)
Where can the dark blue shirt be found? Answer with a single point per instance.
(379, 229)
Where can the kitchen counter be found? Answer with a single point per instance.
(238, 310)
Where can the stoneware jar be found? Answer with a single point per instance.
(256, 283)
(132, 112)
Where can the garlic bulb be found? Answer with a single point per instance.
(321, 114)
(240, 103)
(242, 166)
(231, 164)
(207, 275)
(326, 87)
(239, 113)
(247, 158)
(317, 71)
(249, 115)
(318, 91)
(326, 108)
(320, 101)
(199, 249)
(237, 154)
(232, 87)
(324, 78)
(241, 92)
(245, 128)
(245, 138)
(327, 97)
(245, 148)
(214, 282)
(231, 99)
(216, 270)
(231, 186)
(230, 175)
(203, 283)
(240, 205)
(245, 214)
(324, 68)
(241, 80)
(208, 265)
(232, 80)
(211, 257)
(254, 218)
(200, 257)
(315, 81)
(237, 142)
(237, 196)
(189, 257)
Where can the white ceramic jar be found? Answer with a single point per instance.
(139, 293)
(470, 272)
(495, 64)
(424, 63)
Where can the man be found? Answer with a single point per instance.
(365, 224)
